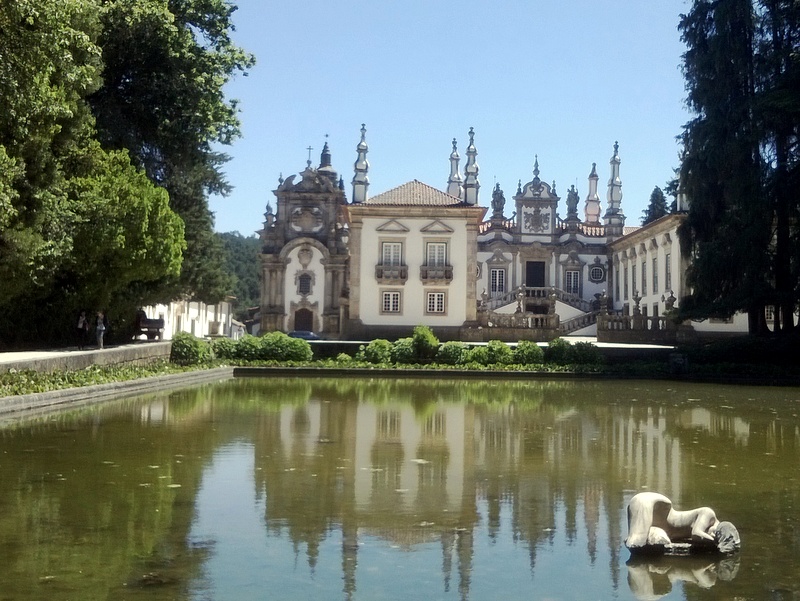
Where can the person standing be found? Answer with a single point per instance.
(100, 328)
(82, 330)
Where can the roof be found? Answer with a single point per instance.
(415, 193)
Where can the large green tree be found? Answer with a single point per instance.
(727, 230)
(778, 111)
(80, 225)
(166, 63)
(740, 168)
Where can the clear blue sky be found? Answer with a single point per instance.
(561, 80)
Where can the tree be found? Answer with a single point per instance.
(778, 109)
(727, 231)
(48, 63)
(79, 226)
(162, 99)
(741, 160)
(656, 208)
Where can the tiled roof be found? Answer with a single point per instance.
(629, 229)
(415, 193)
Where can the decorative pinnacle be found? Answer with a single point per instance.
(536, 166)
(308, 162)
(616, 148)
(280, 177)
(471, 136)
(363, 143)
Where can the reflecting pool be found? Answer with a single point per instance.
(397, 489)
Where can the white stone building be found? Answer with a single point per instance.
(378, 266)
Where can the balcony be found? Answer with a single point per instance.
(440, 274)
(391, 274)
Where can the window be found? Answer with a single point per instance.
(644, 278)
(626, 282)
(597, 274)
(390, 302)
(633, 279)
(769, 312)
(498, 281)
(616, 283)
(437, 254)
(436, 302)
(392, 254)
(572, 283)
(655, 275)
(304, 284)
(668, 271)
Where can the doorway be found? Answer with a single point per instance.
(534, 274)
(304, 320)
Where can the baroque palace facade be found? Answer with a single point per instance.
(377, 266)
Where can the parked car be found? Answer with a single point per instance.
(304, 334)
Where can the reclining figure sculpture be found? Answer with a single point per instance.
(655, 527)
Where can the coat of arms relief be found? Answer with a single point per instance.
(536, 221)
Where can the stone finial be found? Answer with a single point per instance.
(361, 167)
(454, 183)
(471, 183)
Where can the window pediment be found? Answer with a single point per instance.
(436, 227)
(392, 226)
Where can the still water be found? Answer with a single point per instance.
(377, 489)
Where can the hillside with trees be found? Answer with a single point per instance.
(111, 109)
(242, 263)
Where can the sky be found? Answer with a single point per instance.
(554, 79)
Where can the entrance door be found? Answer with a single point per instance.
(304, 320)
(534, 274)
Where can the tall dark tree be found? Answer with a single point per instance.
(162, 99)
(728, 230)
(778, 64)
(656, 208)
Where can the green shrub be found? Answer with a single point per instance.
(479, 355)
(223, 348)
(378, 351)
(188, 350)
(297, 349)
(451, 353)
(403, 351)
(499, 353)
(426, 345)
(585, 353)
(248, 348)
(528, 353)
(277, 346)
(344, 358)
(557, 352)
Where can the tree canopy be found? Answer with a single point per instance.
(656, 208)
(110, 111)
(740, 151)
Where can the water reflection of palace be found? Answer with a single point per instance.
(411, 472)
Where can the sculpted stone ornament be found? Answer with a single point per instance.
(654, 527)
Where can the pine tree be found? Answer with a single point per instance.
(656, 208)
(727, 230)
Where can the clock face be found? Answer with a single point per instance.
(307, 220)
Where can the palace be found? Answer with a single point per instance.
(377, 266)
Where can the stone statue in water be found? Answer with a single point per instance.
(654, 526)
